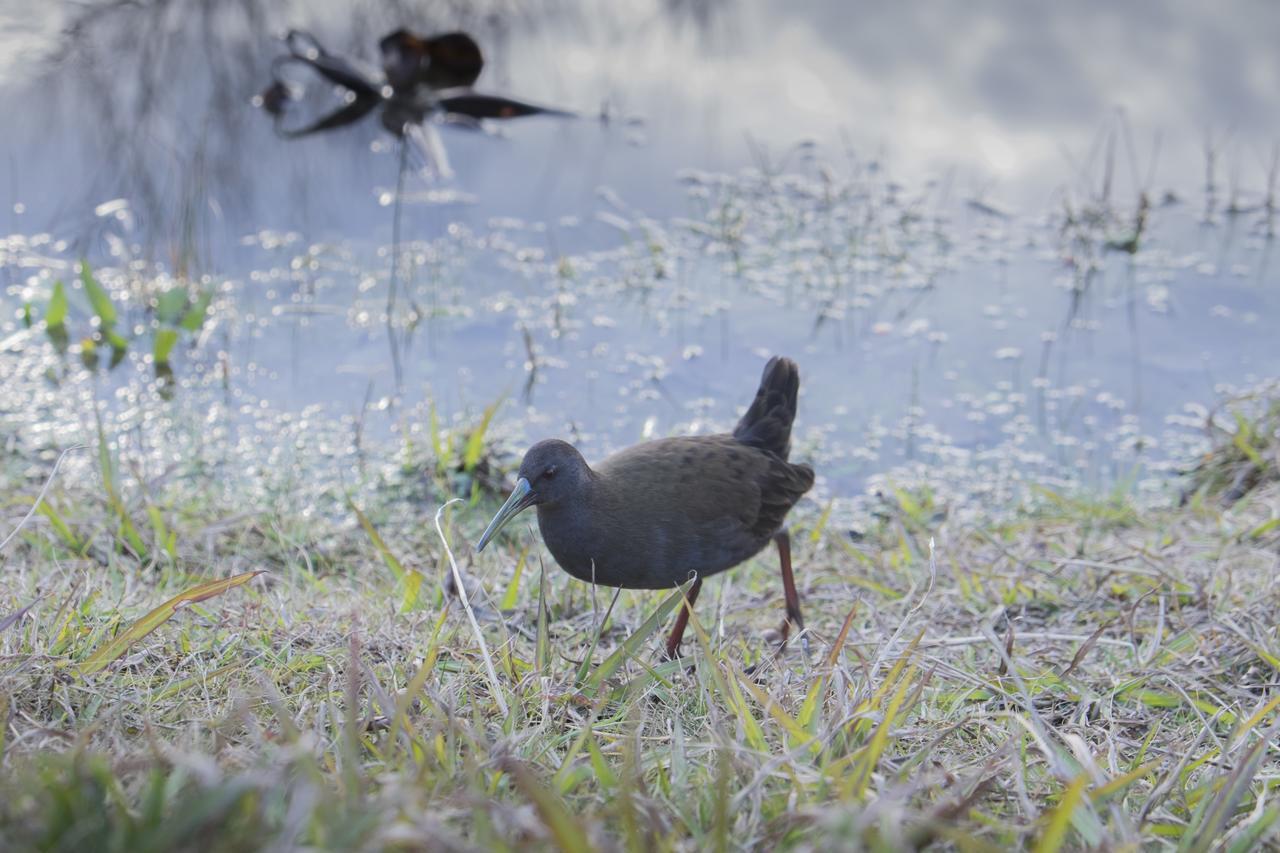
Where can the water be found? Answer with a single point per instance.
(902, 204)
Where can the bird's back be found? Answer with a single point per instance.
(659, 511)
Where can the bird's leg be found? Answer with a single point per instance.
(673, 642)
(783, 540)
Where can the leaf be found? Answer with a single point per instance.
(194, 318)
(119, 346)
(56, 313)
(98, 297)
(870, 755)
(809, 707)
(401, 719)
(164, 343)
(171, 304)
(109, 652)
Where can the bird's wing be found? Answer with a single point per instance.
(708, 479)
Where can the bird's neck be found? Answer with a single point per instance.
(568, 529)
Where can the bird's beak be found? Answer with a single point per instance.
(522, 497)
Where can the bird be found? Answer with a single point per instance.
(655, 515)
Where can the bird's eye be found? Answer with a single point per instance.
(550, 473)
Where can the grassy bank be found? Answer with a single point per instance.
(1081, 672)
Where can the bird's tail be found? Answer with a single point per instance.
(767, 424)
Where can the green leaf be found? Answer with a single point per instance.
(171, 304)
(56, 313)
(112, 650)
(98, 297)
(194, 318)
(164, 343)
(26, 315)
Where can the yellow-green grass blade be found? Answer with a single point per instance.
(1055, 834)
(810, 705)
(729, 689)
(392, 562)
(475, 440)
(109, 652)
(513, 588)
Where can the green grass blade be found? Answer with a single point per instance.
(633, 643)
(595, 640)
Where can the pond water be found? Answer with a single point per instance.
(934, 214)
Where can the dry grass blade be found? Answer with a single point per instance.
(40, 497)
(1081, 652)
(112, 650)
(494, 684)
(14, 617)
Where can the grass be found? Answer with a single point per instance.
(1080, 673)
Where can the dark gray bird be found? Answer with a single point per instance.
(658, 513)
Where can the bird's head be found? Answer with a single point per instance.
(550, 473)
